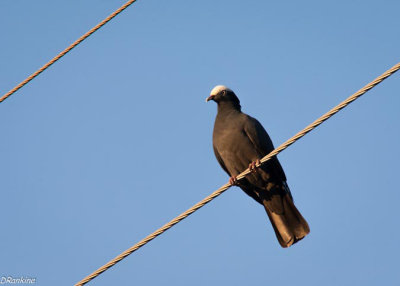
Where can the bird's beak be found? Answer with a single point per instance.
(211, 97)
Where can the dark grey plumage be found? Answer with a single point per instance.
(239, 140)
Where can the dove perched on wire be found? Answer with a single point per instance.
(239, 142)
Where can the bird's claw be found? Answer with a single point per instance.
(253, 166)
(233, 181)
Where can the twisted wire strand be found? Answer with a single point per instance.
(240, 176)
(69, 48)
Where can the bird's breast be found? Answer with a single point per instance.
(234, 147)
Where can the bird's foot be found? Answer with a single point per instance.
(233, 181)
(253, 166)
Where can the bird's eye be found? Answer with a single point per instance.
(223, 92)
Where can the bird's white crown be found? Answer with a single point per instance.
(218, 89)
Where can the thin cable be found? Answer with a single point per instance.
(240, 176)
(64, 52)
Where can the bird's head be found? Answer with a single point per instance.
(222, 94)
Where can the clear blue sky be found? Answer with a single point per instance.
(114, 140)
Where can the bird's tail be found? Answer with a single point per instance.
(288, 223)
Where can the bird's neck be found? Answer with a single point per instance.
(228, 107)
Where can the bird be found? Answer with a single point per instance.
(239, 142)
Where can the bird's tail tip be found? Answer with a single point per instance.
(289, 225)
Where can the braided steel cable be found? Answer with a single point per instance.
(222, 189)
(69, 48)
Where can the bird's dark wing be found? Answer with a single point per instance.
(258, 136)
(262, 143)
(220, 161)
